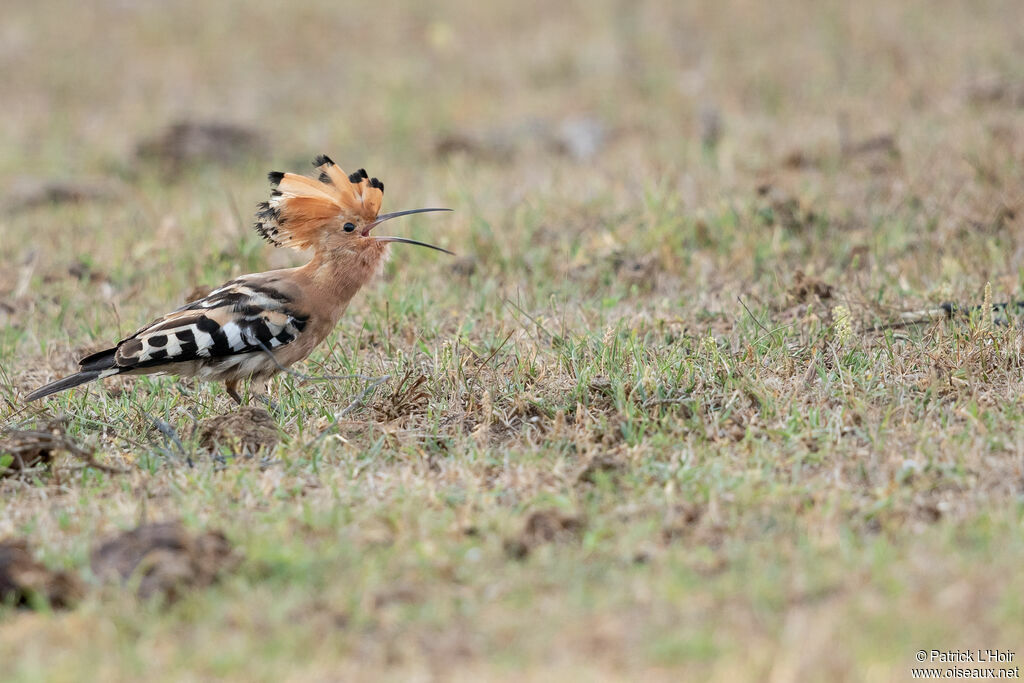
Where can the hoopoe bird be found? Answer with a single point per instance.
(255, 326)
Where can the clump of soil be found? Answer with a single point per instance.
(29, 193)
(694, 525)
(805, 287)
(165, 558)
(641, 270)
(579, 138)
(606, 463)
(681, 520)
(247, 430)
(195, 143)
(396, 594)
(884, 144)
(22, 449)
(995, 90)
(464, 266)
(542, 527)
(25, 582)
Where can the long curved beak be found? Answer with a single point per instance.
(403, 240)
(396, 214)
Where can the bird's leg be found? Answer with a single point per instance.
(232, 388)
(261, 392)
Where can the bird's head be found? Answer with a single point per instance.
(334, 212)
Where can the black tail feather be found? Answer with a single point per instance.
(99, 361)
(94, 367)
(62, 384)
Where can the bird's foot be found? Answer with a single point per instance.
(232, 389)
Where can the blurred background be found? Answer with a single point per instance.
(640, 85)
(621, 105)
(496, 105)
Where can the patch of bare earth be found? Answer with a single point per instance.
(245, 430)
(27, 582)
(164, 558)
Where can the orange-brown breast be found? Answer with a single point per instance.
(328, 283)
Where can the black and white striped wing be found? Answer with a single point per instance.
(238, 318)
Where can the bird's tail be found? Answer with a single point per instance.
(94, 367)
(65, 383)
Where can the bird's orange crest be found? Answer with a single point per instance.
(302, 209)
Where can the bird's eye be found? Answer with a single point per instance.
(349, 227)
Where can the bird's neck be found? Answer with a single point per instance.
(336, 276)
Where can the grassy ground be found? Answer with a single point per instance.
(657, 432)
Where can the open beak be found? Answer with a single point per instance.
(403, 240)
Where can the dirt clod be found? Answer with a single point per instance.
(398, 594)
(544, 526)
(640, 270)
(805, 287)
(463, 266)
(779, 207)
(246, 430)
(680, 520)
(580, 138)
(22, 449)
(24, 581)
(882, 144)
(605, 463)
(797, 159)
(195, 143)
(692, 524)
(167, 559)
(994, 90)
(30, 193)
